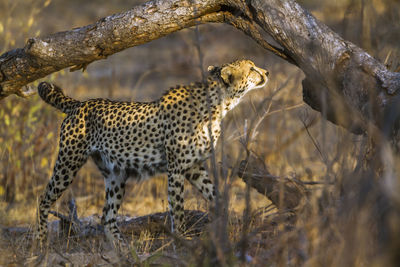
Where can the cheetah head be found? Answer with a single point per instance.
(240, 76)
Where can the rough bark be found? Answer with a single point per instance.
(345, 83)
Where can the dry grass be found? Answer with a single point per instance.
(350, 218)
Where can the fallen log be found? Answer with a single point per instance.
(284, 192)
(73, 227)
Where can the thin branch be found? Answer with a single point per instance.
(315, 142)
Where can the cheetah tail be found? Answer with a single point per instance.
(53, 95)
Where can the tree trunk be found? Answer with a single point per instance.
(343, 82)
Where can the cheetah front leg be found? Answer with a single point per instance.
(198, 177)
(115, 191)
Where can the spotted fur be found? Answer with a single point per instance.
(138, 140)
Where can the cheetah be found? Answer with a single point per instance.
(173, 134)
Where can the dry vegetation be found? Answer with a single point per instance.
(348, 218)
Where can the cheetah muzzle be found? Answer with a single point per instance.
(130, 139)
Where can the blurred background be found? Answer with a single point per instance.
(291, 138)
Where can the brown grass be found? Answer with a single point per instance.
(350, 218)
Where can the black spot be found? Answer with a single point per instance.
(195, 176)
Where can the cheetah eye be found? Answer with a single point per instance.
(230, 78)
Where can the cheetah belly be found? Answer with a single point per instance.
(137, 159)
(138, 165)
(133, 149)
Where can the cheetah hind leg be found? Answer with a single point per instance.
(65, 169)
(115, 191)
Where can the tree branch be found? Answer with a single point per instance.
(81, 46)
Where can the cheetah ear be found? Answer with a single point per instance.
(226, 75)
(214, 70)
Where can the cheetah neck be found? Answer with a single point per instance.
(226, 102)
